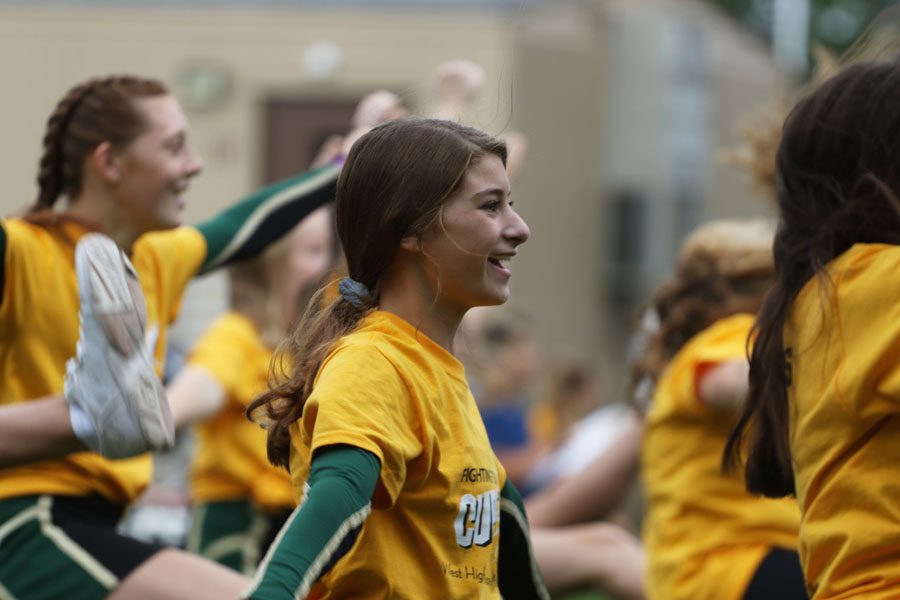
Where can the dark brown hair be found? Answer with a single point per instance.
(837, 173)
(96, 111)
(394, 184)
(724, 268)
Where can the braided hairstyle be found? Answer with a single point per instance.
(96, 111)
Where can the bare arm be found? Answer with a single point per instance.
(374, 109)
(725, 385)
(36, 430)
(596, 489)
(455, 84)
(194, 395)
(41, 429)
(603, 556)
(519, 462)
(516, 149)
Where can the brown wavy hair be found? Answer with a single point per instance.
(394, 184)
(838, 175)
(724, 268)
(838, 172)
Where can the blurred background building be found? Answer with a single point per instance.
(626, 105)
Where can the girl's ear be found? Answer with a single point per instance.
(411, 244)
(106, 162)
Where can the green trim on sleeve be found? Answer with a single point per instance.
(247, 228)
(516, 560)
(323, 528)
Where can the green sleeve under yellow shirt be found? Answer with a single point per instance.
(433, 531)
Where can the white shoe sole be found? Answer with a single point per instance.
(106, 294)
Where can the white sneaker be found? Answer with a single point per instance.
(111, 381)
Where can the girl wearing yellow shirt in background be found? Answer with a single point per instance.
(240, 499)
(117, 148)
(706, 538)
(821, 419)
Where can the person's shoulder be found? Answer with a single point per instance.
(363, 346)
(356, 371)
(738, 324)
(20, 229)
(720, 339)
(31, 241)
(360, 358)
(233, 327)
(375, 334)
(867, 261)
(866, 273)
(234, 323)
(169, 240)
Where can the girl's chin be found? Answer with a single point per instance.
(173, 217)
(495, 299)
(168, 223)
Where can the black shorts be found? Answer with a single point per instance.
(780, 576)
(65, 546)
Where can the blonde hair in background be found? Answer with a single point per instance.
(761, 133)
(253, 285)
(731, 249)
(723, 268)
(879, 42)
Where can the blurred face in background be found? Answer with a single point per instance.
(309, 254)
(501, 353)
(156, 168)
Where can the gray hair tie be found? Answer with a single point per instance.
(354, 292)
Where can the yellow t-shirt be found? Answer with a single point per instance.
(844, 351)
(231, 460)
(434, 528)
(39, 330)
(705, 535)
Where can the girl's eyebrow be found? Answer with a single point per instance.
(493, 192)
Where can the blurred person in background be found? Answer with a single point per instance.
(240, 501)
(117, 148)
(579, 539)
(570, 392)
(820, 422)
(706, 536)
(579, 426)
(453, 88)
(501, 356)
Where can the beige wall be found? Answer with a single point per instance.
(560, 107)
(44, 52)
(569, 65)
(549, 74)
